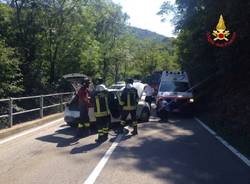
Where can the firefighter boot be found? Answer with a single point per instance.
(105, 137)
(105, 133)
(134, 132)
(100, 136)
(87, 129)
(79, 132)
(100, 139)
(120, 129)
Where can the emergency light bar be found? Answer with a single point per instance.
(176, 72)
(174, 76)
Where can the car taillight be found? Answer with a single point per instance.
(191, 100)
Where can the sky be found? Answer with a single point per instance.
(143, 15)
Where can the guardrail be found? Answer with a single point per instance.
(41, 98)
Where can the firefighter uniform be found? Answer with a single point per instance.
(100, 100)
(129, 100)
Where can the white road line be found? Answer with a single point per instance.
(225, 143)
(95, 173)
(62, 128)
(29, 131)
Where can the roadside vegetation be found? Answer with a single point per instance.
(41, 40)
(224, 100)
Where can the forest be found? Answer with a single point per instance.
(223, 98)
(42, 40)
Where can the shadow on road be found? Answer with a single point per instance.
(181, 152)
(92, 146)
(85, 148)
(65, 137)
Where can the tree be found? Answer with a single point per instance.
(224, 98)
(110, 25)
(10, 76)
(193, 20)
(57, 37)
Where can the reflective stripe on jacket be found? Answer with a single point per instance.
(129, 99)
(101, 104)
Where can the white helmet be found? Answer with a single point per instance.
(101, 87)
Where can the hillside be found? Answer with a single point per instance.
(146, 34)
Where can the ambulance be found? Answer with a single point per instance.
(175, 93)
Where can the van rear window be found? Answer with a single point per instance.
(173, 86)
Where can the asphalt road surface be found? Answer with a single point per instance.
(180, 151)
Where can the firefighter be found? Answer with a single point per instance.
(129, 100)
(100, 99)
(84, 103)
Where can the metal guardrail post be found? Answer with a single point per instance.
(41, 106)
(10, 112)
(61, 103)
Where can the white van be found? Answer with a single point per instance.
(175, 91)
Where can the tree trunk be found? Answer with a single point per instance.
(116, 72)
(52, 64)
(105, 69)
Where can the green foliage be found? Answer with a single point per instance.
(224, 100)
(193, 20)
(10, 76)
(53, 38)
(145, 34)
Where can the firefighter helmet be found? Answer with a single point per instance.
(86, 81)
(129, 81)
(99, 81)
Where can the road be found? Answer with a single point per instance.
(180, 151)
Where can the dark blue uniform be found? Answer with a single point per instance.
(129, 100)
(100, 99)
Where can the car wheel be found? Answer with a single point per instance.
(145, 115)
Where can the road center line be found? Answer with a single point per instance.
(96, 172)
(225, 143)
(29, 131)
